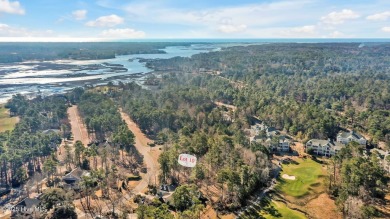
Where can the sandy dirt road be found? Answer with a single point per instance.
(141, 143)
(79, 130)
(234, 108)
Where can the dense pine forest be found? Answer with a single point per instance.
(25, 148)
(310, 90)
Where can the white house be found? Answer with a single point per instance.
(260, 132)
(283, 144)
(346, 137)
(269, 131)
(323, 147)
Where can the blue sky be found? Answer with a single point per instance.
(77, 20)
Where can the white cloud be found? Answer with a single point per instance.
(11, 7)
(18, 34)
(106, 21)
(8, 31)
(261, 19)
(379, 17)
(230, 28)
(49, 39)
(336, 34)
(125, 33)
(386, 29)
(239, 17)
(339, 17)
(304, 31)
(79, 14)
(226, 25)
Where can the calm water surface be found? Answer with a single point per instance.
(25, 78)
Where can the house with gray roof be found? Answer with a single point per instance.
(323, 147)
(28, 203)
(27, 208)
(72, 179)
(51, 131)
(271, 131)
(284, 144)
(281, 145)
(264, 134)
(258, 127)
(346, 137)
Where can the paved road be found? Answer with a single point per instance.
(141, 145)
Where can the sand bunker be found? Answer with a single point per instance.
(285, 176)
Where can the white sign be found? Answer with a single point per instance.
(187, 160)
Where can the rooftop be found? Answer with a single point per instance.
(74, 176)
(330, 143)
(350, 134)
(50, 131)
(28, 203)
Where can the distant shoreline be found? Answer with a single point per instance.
(214, 40)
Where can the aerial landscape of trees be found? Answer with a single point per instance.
(186, 119)
(358, 182)
(309, 91)
(30, 142)
(304, 90)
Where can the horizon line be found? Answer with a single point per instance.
(101, 40)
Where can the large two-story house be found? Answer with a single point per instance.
(323, 147)
(284, 144)
(346, 137)
(265, 134)
(258, 129)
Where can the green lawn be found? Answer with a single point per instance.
(308, 181)
(278, 210)
(307, 178)
(6, 122)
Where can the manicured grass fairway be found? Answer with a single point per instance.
(283, 212)
(307, 178)
(6, 123)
